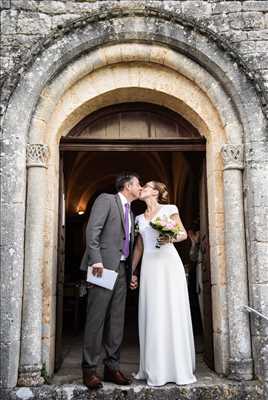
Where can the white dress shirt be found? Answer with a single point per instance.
(125, 201)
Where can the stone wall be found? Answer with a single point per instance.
(25, 23)
(29, 26)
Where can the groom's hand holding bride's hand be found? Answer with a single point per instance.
(134, 282)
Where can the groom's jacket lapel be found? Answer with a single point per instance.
(121, 211)
(119, 204)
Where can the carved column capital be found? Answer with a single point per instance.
(233, 156)
(37, 155)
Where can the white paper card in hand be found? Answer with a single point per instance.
(107, 280)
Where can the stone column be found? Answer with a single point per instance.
(30, 353)
(240, 362)
(264, 364)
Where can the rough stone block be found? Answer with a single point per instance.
(219, 297)
(216, 185)
(251, 46)
(235, 36)
(259, 5)
(4, 4)
(9, 357)
(258, 343)
(256, 61)
(257, 195)
(218, 272)
(219, 23)
(11, 292)
(8, 22)
(196, 8)
(27, 5)
(224, 7)
(13, 185)
(81, 7)
(11, 231)
(259, 294)
(258, 254)
(52, 7)
(221, 341)
(33, 23)
(258, 35)
(235, 20)
(266, 20)
(260, 224)
(253, 20)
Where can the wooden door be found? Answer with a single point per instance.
(61, 264)
(206, 273)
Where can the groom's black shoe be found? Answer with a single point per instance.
(91, 380)
(117, 377)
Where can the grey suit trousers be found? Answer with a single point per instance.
(105, 323)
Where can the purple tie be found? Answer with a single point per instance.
(126, 226)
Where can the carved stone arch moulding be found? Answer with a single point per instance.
(181, 19)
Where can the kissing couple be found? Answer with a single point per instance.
(165, 329)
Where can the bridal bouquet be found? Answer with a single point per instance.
(166, 227)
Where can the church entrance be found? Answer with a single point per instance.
(90, 161)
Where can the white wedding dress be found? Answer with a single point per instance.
(167, 351)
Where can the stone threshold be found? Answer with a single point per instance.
(227, 390)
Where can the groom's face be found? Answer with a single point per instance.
(134, 188)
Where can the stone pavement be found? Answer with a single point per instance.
(206, 388)
(67, 382)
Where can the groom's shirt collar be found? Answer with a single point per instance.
(123, 199)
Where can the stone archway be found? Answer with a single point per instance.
(132, 82)
(131, 72)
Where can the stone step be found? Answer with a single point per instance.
(227, 390)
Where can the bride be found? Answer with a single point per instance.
(165, 330)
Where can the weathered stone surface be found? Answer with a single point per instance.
(196, 8)
(27, 5)
(4, 4)
(42, 34)
(33, 23)
(260, 5)
(258, 35)
(253, 20)
(224, 7)
(54, 7)
(9, 21)
(240, 348)
(224, 391)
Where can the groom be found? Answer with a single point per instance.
(109, 244)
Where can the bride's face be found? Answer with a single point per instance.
(148, 191)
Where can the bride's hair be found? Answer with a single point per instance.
(163, 196)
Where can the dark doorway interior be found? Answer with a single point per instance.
(86, 175)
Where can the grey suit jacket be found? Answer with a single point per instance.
(105, 233)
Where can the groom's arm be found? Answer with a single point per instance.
(137, 254)
(98, 216)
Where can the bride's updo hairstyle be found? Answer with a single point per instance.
(163, 196)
